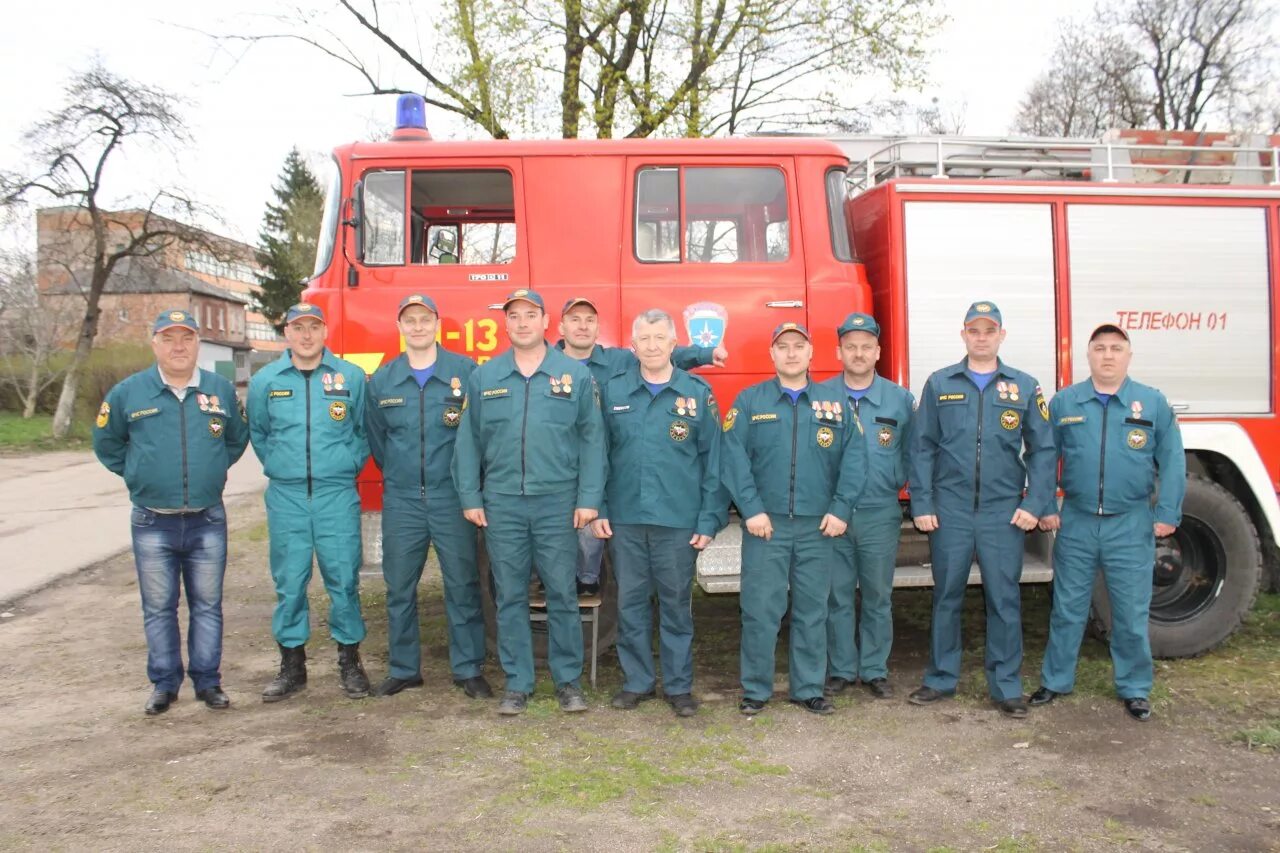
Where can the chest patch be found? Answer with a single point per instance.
(1137, 439)
(679, 430)
(952, 398)
(494, 392)
(452, 417)
(1009, 419)
(764, 416)
(390, 401)
(280, 392)
(825, 437)
(215, 427)
(143, 413)
(338, 410)
(884, 436)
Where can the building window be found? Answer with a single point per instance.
(123, 314)
(202, 262)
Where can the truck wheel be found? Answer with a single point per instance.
(608, 613)
(1205, 576)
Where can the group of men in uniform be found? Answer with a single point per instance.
(553, 451)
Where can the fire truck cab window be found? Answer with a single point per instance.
(837, 199)
(462, 216)
(725, 215)
(383, 225)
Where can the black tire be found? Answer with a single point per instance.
(608, 613)
(1205, 577)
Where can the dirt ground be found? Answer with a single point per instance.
(82, 768)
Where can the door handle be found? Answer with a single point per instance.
(1180, 407)
(785, 303)
(497, 306)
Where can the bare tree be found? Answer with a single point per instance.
(1167, 64)
(70, 152)
(613, 68)
(1092, 84)
(31, 331)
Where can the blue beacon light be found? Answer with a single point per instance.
(411, 118)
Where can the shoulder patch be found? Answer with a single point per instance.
(730, 418)
(104, 415)
(1041, 404)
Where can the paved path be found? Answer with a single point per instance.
(62, 512)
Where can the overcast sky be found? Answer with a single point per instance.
(247, 112)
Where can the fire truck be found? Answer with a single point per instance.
(733, 236)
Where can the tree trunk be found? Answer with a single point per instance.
(84, 346)
(33, 391)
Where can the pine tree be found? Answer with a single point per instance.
(287, 241)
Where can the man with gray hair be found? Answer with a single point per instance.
(662, 438)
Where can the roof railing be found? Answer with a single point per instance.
(1136, 156)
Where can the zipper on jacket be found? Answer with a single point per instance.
(977, 462)
(182, 430)
(795, 426)
(1102, 455)
(422, 438)
(524, 425)
(307, 384)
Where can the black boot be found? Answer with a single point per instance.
(292, 676)
(351, 672)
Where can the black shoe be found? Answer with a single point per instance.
(351, 671)
(292, 676)
(683, 704)
(625, 700)
(571, 699)
(391, 685)
(1043, 696)
(513, 702)
(1015, 708)
(816, 705)
(836, 685)
(588, 588)
(927, 696)
(159, 701)
(880, 688)
(214, 698)
(475, 687)
(751, 707)
(1138, 708)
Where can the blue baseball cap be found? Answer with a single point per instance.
(170, 319)
(983, 311)
(524, 295)
(303, 309)
(858, 322)
(783, 328)
(417, 299)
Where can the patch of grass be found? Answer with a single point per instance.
(1205, 800)
(36, 433)
(1263, 737)
(1015, 844)
(751, 767)
(1117, 832)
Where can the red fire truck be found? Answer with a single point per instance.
(733, 236)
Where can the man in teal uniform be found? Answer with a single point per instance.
(869, 549)
(1115, 438)
(794, 467)
(529, 468)
(579, 331)
(663, 504)
(172, 431)
(967, 471)
(412, 416)
(306, 421)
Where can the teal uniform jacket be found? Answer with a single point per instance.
(172, 454)
(966, 451)
(1111, 456)
(412, 430)
(607, 362)
(309, 432)
(665, 456)
(884, 413)
(538, 436)
(792, 460)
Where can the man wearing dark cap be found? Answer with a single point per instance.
(869, 549)
(412, 416)
(306, 421)
(172, 431)
(529, 468)
(1116, 438)
(579, 331)
(793, 465)
(968, 469)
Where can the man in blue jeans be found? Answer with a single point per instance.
(172, 431)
